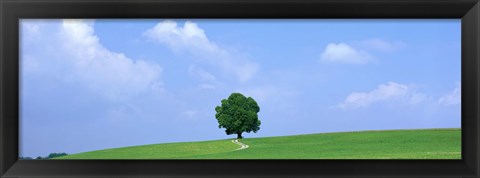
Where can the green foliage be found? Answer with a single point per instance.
(54, 155)
(51, 155)
(238, 114)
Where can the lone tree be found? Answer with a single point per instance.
(238, 114)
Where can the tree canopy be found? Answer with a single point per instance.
(238, 114)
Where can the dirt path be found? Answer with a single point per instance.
(242, 145)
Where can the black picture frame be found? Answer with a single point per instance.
(13, 10)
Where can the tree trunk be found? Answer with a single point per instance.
(239, 135)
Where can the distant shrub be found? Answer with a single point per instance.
(54, 155)
(51, 155)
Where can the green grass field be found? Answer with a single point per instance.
(390, 144)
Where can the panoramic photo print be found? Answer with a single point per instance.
(240, 89)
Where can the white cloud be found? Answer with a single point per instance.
(71, 50)
(189, 37)
(192, 39)
(452, 98)
(344, 53)
(358, 52)
(384, 92)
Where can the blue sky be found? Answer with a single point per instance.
(96, 84)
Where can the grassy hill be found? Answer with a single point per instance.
(389, 144)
